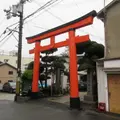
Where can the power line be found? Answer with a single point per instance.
(41, 8)
(32, 13)
(64, 21)
(76, 3)
(38, 10)
(82, 2)
(51, 13)
(15, 37)
(91, 26)
(40, 27)
(6, 36)
(3, 33)
(9, 34)
(40, 13)
(13, 24)
(91, 34)
(55, 16)
(6, 39)
(35, 25)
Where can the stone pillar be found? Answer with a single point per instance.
(91, 96)
(58, 80)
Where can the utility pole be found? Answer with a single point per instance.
(19, 57)
(17, 10)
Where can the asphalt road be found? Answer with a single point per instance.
(45, 110)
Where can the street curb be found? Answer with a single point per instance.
(108, 114)
(21, 99)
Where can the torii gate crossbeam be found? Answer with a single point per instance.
(71, 42)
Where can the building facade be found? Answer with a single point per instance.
(12, 60)
(7, 73)
(108, 69)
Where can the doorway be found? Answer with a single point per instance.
(114, 92)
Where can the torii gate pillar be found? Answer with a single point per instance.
(71, 42)
(74, 94)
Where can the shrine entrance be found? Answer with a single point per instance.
(71, 42)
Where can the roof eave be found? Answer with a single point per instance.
(101, 13)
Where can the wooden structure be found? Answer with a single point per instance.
(71, 42)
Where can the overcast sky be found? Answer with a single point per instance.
(59, 13)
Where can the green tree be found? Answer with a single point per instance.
(27, 76)
(91, 52)
(54, 65)
(46, 60)
(57, 66)
(31, 65)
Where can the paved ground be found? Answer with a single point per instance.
(6, 96)
(65, 99)
(45, 110)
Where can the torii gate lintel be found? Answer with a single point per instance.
(71, 42)
(78, 39)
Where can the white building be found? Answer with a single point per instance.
(11, 59)
(108, 69)
(108, 79)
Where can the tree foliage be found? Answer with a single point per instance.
(51, 51)
(57, 63)
(27, 76)
(31, 65)
(46, 60)
(92, 51)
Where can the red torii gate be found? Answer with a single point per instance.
(71, 42)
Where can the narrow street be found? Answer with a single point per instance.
(45, 110)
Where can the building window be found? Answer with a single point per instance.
(10, 80)
(6, 60)
(10, 72)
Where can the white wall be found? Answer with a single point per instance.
(63, 81)
(112, 64)
(106, 91)
(102, 86)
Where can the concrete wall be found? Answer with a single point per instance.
(112, 64)
(4, 76)
(112, 32)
